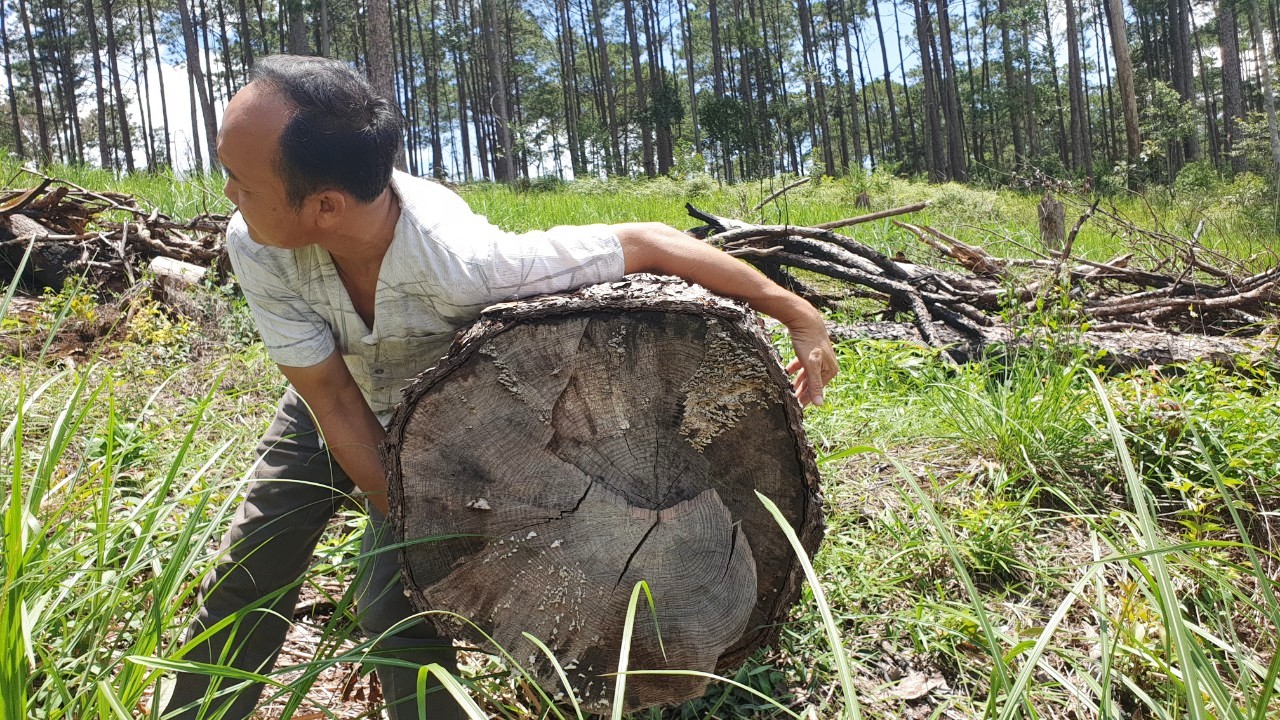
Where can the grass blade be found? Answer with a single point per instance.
(1150, 536)
(624, 652)
(851, 707)
(564, 679)
(452, 686)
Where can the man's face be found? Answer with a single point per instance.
(248, 146)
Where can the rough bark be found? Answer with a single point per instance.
(503, 154)
(1268, 90)
(1012, 94)
(37, 92)
(1081, 157)
(104, 141)
(164, 103)
(122, 116)
(18, 144)
(1232, 85)
(1184, 72)
(1124, 78)
(641, 104)
(957, 160)
(934, 157)
(196, 79)
(569, 447)
(888, 85)
(381, 75)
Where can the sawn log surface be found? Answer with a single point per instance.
(570, 446)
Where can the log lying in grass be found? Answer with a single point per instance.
(571, 446)
(1117, 351)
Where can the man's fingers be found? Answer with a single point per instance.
(817, 374)
(802, 390)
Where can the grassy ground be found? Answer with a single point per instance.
(1013, 539)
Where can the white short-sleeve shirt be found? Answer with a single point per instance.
(444, 265)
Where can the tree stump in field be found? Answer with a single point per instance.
(571, 446)
(1053, 224)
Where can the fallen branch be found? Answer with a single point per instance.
(781, 192)
(1174, 294)
(879, 215)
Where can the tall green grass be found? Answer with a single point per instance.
(97, 566)
(1046, 542)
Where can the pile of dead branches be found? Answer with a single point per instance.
(65, 231)
(964, 298)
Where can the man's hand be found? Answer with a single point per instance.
(815, 363)
(658, 248)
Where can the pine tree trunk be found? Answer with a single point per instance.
(432, 58)
(906, 94)
(934, 153)
(978, 146)
(1184, 70)
(1028, 90)
(1268, 92)
(69, 70)
(641, 99)
(957, 159)
(197, 79)
(1080, 157)
(164, 105)
(296, 25)
(19, 144)
(1232, 86)
(246, 41)
(1064, 152)
(895, 130)
(569, 83)
(1012, 93)
(570, 447)
(196, 151)
(504, 154)
(1124, 78)
(37, 92)
(1104, 61)
(863, 61)
(113, 52)
(105, 152)
(143, 83)
(686, 36)
(849, 23)
(717, 80)
(381, 75)
(610, 116)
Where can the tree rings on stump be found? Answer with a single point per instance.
(573, 445)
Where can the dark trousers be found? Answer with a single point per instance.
(297, 488)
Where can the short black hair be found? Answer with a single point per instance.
(343, 134)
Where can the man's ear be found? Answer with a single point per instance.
(327, 209)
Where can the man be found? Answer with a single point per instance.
(358, 278)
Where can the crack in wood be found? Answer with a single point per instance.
(639, 545)
(733, 546)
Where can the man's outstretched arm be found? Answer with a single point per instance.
(661, 249)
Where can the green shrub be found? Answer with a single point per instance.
(1197, 181)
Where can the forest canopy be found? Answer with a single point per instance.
(1001, 91)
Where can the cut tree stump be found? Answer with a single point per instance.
(571, 446)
